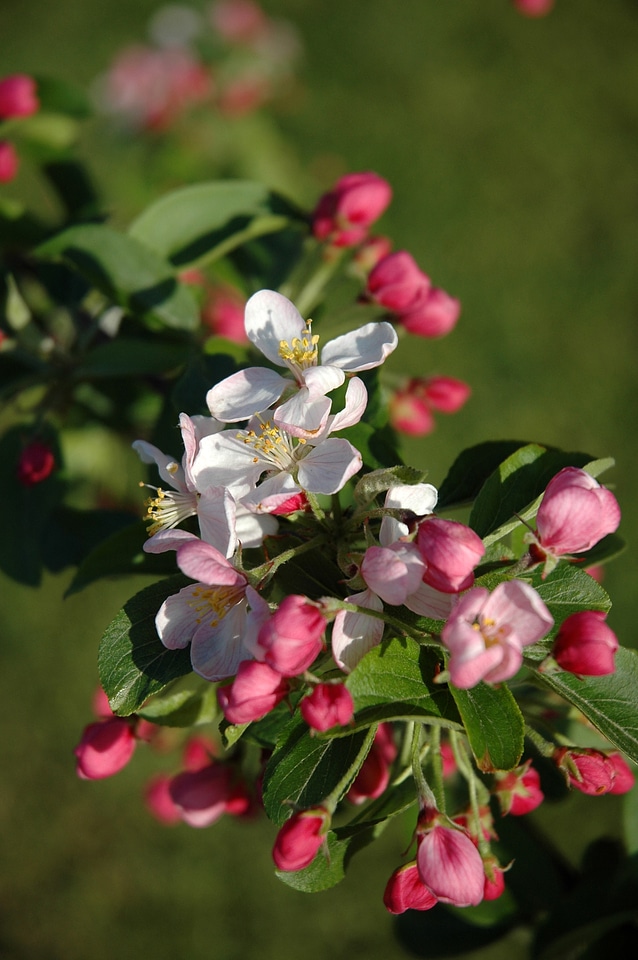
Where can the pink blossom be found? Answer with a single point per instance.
(624, 778)
(397, 283)
(486, 632)
(9, 161)
(446, 394)
(201, 795)
(344, 214)
(405, 891)
(300, 838)
(105, 748)
(36, 463)
(374, 775)
(239, 21)
(587, 770)
(100, 704)
(410, 413)
(433, 314)
(255, 691)
(518, 791)
(371, 251)
(243, 95)
(18, 96)
(534, 8)
(574, 514)
(198, 752)
(329, 705)
(292, 638)
(451, 550)
(585, 645)
(494, 884)
(159, 802)
(448, 862)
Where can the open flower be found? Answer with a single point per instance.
(219, 616)
(486, 632)
(323, 465)
(276, 327)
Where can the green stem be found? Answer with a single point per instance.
(332, 603)
(474, 788)
(426, 797)
(437, 767)
(544, 747)
(263, 574)
(309, 295)
(331, 801)
(317, 511)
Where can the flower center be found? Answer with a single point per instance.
(302, 352)
(273, 445)
(214, 602)
(491, 633)
(168, 508)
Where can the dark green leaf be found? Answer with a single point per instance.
(133, 663)
(494, 725)
(516, 482)
(75, 189)
(129, 273)
(207, 220)
(380, 480)
(182, 708)
(58, 96)
(395, 681)
(471, 469)
(122, 554)
(304, 769)
(130, 357)
(568, 589)
(201, 373)
(610, 703)
(378, 447)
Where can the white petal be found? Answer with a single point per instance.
(216, 652)
(269, 319)
(176, 619)
(169, 470)
(165, 540)
(355, 405)
(272, 493)
(216, 514)
(225, 461)
(328, 467)
(245, 393)
(302, 417)
(361, 349)
(428, 602)
(353, 634)
(193, 430)
(251, 528)
(321, 380)
(420, 498)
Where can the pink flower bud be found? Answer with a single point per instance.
(36, 463)
(575, 513)
(223, 313)
(329, 705)
(409, 411)
(405, 891)
(451, 551)
(291, 639)
(105, 748)
(100, 704)
(159, 802)
(298, 501)
(534, 8)
(432, 315)
(374, 775)
(485, 824)
(18, 96)
(449, 864)
(518, 791)
(239, 21)
(396, 282)
(587, 770)
(494, 885)
(300, 838)
(344, 214)
(446, 394)
(198, 752)
(9, 162)
(624, 778)
(585, 645)
(371, 252)
(201, 795)
(255, 691)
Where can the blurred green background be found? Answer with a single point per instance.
(511, 145)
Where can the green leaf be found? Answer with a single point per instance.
(471, 469)
(568, 589)
(395, 681)
(182, 708)
(377, 446)
(131, 357)
(516, 482)
(610, 703)
(58, 96)
(494, 725)
(133, 663)
(304, 769)
(127, 272)
(205, 221)
(122, 554)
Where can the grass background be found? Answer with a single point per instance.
(511, 145)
